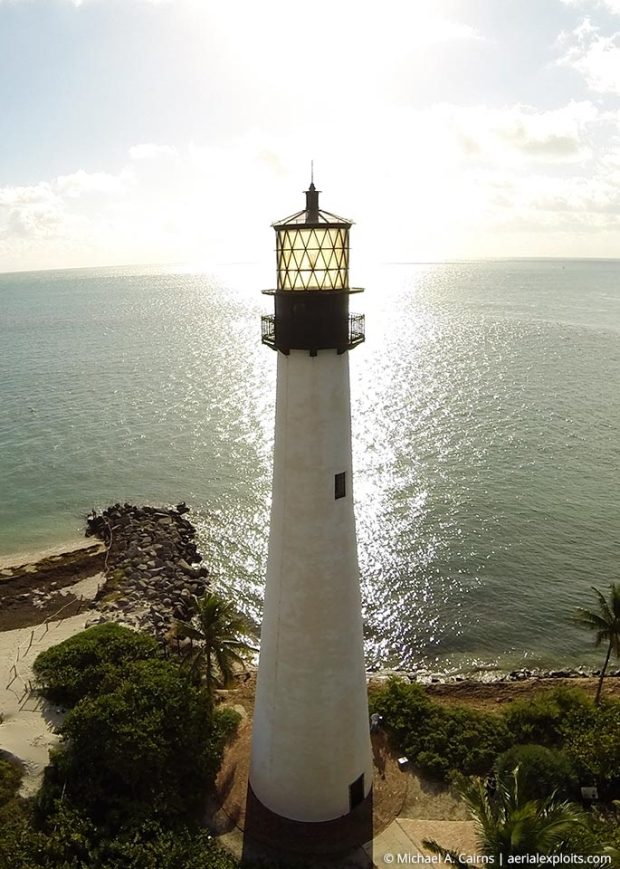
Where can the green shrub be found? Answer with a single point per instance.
(543, 771)
(89, 662)
(226, 721)
(592, 741)
(141, 746)
(150, 746)
(541, 719)
(597, 835)
(10, 780)
(69, 840)
(400, 703)
(16, 836)
(440, 740)
(153, 846)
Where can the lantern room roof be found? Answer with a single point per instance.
(318, 218)
(312, 215)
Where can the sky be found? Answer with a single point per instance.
(177, 131)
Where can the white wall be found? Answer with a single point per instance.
(311, 732)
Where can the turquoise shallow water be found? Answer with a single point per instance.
(486, 417)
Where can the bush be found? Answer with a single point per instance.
(440, 740)
(153, 846)
(400, 704)
(142, 745)
(592, 741)
(541, 719)
(542, 771)
(15, 833)
(226, 722)
(10, 780)
(90, 662)
(69, 840)
(151, 746)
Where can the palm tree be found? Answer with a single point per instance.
(606, 623)
(508, 823)
(215, 628)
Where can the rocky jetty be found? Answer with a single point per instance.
(153, 567)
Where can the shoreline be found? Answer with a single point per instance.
(40, 569)
(151, 563)
(32, 592)
(20, 557)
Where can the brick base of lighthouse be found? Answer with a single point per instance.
(238, 815)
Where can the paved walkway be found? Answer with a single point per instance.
(402, 840)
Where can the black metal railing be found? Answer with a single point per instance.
(303, 340)
(357, 329)
(268, 329)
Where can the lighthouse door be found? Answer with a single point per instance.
(356, 792)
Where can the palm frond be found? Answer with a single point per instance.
(218, 631)
(445, 853)
(605, 622)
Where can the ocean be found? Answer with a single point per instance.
(486, 420)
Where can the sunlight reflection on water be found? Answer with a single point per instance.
(484, 437)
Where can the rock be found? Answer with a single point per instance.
(151, 553)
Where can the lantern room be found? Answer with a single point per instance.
(312, 248)
(312, 295)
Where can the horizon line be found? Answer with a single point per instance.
(216, 265)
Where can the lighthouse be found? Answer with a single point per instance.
(311, 755)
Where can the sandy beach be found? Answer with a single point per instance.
(28, 720)
(32, 556)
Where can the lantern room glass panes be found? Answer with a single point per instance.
(314, 258)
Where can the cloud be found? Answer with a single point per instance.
(153, 2)
(83, 183)
(428, 183)
(84, 2)
(517, 133)
(58, 209)
(32, 195)
(151, 151)
(443, 30)
(612, 6)
(595, 57)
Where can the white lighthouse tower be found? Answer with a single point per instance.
(311, 753)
